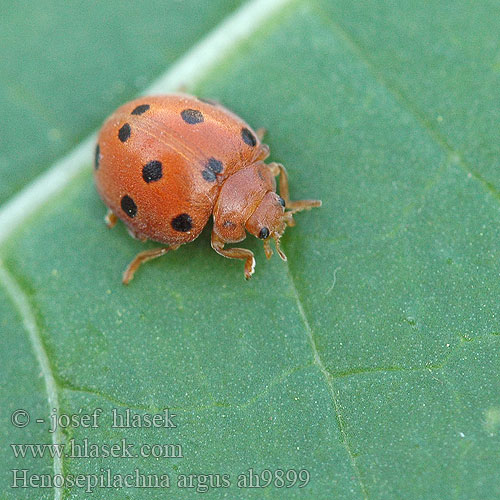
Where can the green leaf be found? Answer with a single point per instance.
(370, 358)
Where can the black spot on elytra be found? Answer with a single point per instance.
(208, 175)
(97, 156)
(152, 171)
(214, 165)
(212, 168)
(192, 116)
(182, 223)
(229, 224)
(248, 137)
(129, 206)
(142, 108)
(124, 132)
(264, 233)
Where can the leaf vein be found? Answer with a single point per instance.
(22, 304)
(330, 385)
(277, 380)
(406, 103)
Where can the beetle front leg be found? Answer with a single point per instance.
(234, 253)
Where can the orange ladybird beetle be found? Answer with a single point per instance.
(164, 164)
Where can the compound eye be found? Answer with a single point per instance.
(264, 233)
(282, 201)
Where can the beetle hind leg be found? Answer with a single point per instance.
(141, 258)
(235, 253)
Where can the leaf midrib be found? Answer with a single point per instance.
(23, 306)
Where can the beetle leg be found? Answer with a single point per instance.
(261, 132)
(263, 151)
(293, 206)
(135, 235)
(110, 219)
(234, 253)
(142, 257)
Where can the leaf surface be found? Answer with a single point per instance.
(370, 358)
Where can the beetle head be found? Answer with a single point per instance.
(269, 221)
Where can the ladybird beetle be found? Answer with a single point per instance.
(164, 164)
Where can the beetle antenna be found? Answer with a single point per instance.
(267, 248)
(276, 238)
